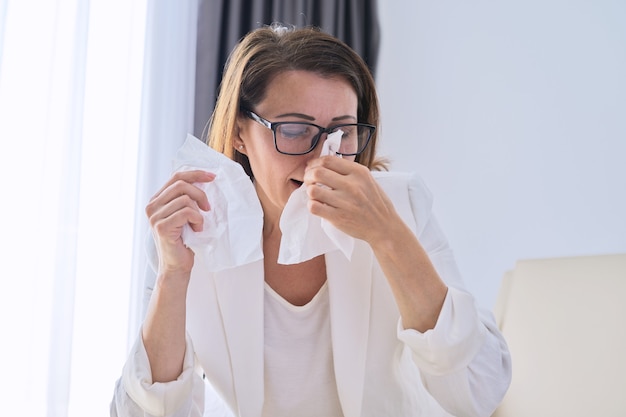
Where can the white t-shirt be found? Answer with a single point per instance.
(299, 373)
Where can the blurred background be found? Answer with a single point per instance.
(513, 113)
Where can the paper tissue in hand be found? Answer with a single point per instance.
(232, 230)
(304, 235)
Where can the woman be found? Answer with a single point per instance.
(387, 331)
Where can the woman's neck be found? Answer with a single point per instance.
(271, 216)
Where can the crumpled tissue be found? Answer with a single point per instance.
(304, 235)
(233, 227)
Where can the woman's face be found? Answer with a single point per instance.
(295, 96)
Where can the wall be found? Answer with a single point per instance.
(515, 115)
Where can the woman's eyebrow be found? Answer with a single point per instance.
(347, 116)
(300, 115)
(307, 117)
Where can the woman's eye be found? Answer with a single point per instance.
(294, 131)
(348, 132)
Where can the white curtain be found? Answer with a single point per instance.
(167, 115)
(94, 98)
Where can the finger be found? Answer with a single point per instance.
(339, 165)
(170, 227)
(190, 177)
(179, 187)
(321, 174)
(168, 209)
(322, 194)
(182, 188)
(351, 198)
(351, 192)
(334, 172)
(320, 209)
(188, 215)
(346, 220)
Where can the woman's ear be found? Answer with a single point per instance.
(238, 142)
(240, 147)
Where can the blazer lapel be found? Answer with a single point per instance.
(350, 286)
(240, 299)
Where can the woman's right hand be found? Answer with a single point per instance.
(177, 203)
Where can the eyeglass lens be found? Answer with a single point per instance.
(300, 138)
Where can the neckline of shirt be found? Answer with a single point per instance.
(292, 307)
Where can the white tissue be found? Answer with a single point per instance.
(232, 230)
(304, 235)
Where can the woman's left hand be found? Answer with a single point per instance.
(351, 200)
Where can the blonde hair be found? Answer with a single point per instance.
(271, 50)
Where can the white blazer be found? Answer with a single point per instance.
(461, 367)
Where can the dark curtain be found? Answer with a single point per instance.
(222, 23)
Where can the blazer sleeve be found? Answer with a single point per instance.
(464, 360)
(137, 395)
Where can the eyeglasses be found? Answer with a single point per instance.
(299, 138)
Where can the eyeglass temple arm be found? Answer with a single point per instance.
(258, 119)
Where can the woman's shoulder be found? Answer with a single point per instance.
(409, 194)
(403, 183)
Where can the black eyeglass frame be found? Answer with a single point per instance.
(274, 125)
